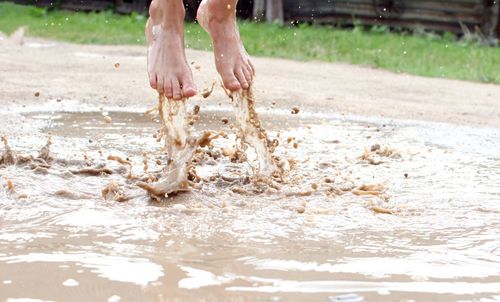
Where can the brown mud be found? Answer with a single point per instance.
(231, 230)
(227, 239)
(181, 146)
(174, 167)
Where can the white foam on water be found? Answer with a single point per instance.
(139, 271)
(439, 268)
(70, 282)
(327, 286)
(114, 298)
(198, 278)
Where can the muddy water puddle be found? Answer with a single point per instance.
(372, 211)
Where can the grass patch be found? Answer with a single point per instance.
(424, 54)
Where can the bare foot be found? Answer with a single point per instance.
(218, 18)
(168, 70)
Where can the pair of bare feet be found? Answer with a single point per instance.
(168, 70)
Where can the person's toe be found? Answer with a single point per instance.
(167, 84)
(176, 90)
(230, 81)
(248, 75)
(152, 80)
(188, 88)
(240, 75)
(252, 68)
(160, 85)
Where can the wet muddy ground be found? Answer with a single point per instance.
(372, 210)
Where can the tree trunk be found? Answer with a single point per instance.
(259, 6)
(274, 10)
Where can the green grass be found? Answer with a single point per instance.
(420, 54)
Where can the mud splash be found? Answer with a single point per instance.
(418, 226)
(181, 145)
(8, 157)
(251, 133)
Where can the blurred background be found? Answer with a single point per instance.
(457, 16)
(454, 39)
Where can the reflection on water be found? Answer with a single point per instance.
(124, 269)
(440, 243)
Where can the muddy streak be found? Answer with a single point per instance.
(97, 171)
(375, 154)
(208, 91)
(253, 134)
(73, 195)
(179, 146)
(8, 157)
(44, 153)
(113, 191)
(42, 162)
(123, 162)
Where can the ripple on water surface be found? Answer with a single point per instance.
(316, 239)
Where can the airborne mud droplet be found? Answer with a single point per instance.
(10, 185)
(208, 91)
(108, 119)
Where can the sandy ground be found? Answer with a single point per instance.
(88, 73)
(216, 245)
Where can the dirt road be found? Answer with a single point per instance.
(371, 209)
(88, 73)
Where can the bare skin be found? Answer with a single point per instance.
(218, 18)
(168, 70)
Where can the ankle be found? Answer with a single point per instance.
(167, 12)
(221, 10)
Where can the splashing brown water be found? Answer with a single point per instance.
(323, 234)
(180, 144)
(8, 157)
(184, 150)
(251, 133)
